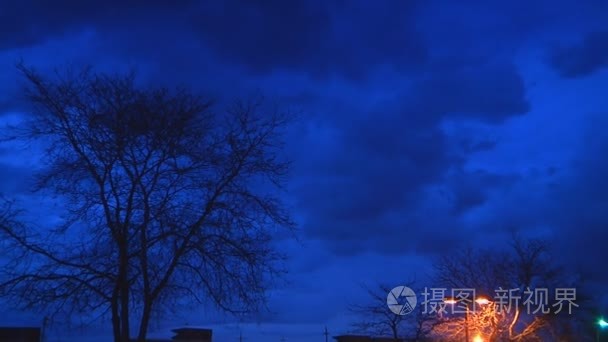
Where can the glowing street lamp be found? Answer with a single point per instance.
(482, 301)
(450, 301)
(478, 300)
(477, 338)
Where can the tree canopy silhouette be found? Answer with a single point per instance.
(167, 199)
(528, 313)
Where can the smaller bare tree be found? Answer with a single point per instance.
(527, 265)
(376, 318)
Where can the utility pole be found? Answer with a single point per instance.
(241, 336)
(326, 333)
(283, 339)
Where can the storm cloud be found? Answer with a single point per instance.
(423, 126)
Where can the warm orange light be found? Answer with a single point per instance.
(482, 301)
(450, 301)
(477, 338)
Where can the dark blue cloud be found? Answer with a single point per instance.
(468, 190)
(31, 22)
(582, 59)
(490, 93)
(388, 159)
(347, 39)
(476, 146)
(418, 131)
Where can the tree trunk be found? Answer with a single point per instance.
(124, 314)
(145, 320)
(123, 284)
(115, 316)
(394, 330)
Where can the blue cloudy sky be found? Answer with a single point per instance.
(425, 126)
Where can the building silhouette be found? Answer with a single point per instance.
(20, 334)
(189, 334)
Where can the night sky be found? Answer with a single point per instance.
(424, 126)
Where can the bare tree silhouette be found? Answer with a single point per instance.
(376, 318)
(168, 202)
(526, 266)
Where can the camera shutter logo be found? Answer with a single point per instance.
(401, 300)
